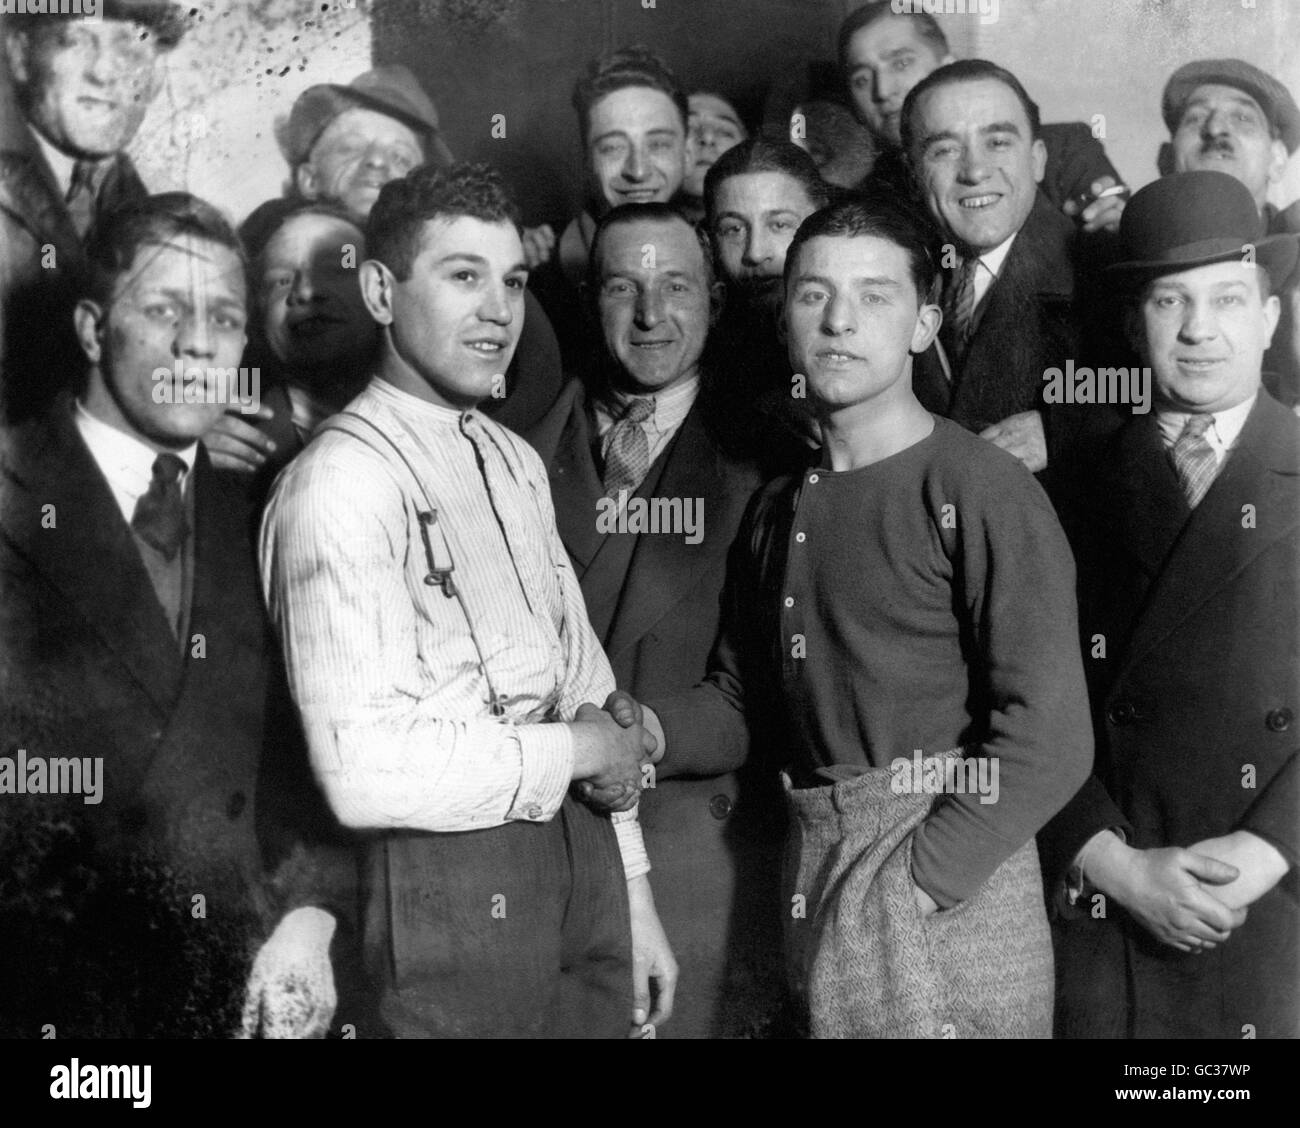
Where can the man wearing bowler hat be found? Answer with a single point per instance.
(1174, 867)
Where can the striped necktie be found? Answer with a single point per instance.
(1194, 458)
(81, 196)
(959, 307)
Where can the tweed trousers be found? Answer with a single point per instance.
(864, 963)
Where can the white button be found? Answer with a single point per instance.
(801, 537)
(812, 478)
(789, 600)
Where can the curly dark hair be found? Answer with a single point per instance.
(396, 225)
(635, 65)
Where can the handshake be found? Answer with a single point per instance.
(615, 749)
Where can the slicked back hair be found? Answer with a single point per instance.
(881, 214)
(115, 242)
(762, 154)
(619, 69)
(395, 229)
(927, 27)
(964, 70)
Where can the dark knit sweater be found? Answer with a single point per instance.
(929, 605)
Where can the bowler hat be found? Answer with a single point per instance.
(390, 90)
(1190, 219)
(167, 21)
(1273, 98)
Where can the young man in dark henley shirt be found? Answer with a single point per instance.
(899, 623)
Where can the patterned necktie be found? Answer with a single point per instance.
(627, 456)
(1194, 458)
(159, 518)
(959, 306)
(81, 196)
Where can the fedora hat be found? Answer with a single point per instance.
(167, 21)
(391, 90)
(1190, 219)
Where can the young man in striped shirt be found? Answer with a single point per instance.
(440, 654)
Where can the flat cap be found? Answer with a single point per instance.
(166, 20)
(1274, 98)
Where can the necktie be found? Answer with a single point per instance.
(81, 196)
(1194, 458)
(959, 307)
(627, 456)
(159, 518)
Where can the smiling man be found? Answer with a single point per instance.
(82, 87)
(444, 665)
(641, 431)
(1187, 546)
(915, 916)
(972, 138)
(884, 53)
(632, 121)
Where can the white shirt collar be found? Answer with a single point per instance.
(125, 461)
(1222, 434)
(990, 266)
(60, 163)
(671, 407)
(405, 402)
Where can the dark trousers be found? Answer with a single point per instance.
(517, 931)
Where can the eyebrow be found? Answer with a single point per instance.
(869, 280)
(477, 260)
(663, 129)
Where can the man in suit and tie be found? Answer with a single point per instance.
(1174, 867)
(138, 710)
(973, 138)
(636, 438)
(81, 87)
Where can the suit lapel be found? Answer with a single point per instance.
(89, 554)
(576, 488)
(1141, 496)
(664, 566)
(1215, 544)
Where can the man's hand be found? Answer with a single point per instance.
(1260, 864)
(609, 758)
(235, 444)
(1021, 435)
(654, 969)
(1104, 212)
(539, 244)
(290, 992)
(1164, 891)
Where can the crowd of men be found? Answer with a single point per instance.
(707, 618)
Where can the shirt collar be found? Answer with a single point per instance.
(426, 410)
(126, 461)
(1222, 434)
(62, 165)
(994, 259)
(671, 407)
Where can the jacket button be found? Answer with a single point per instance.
(1120, 713)
(1278, 720)
(238, 801)
(720, 806)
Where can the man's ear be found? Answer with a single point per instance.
(928, 319)
(306, 180)
(1038, 152)
(1277, 162)
(1165, 159)
(18, 52)
(88, 324)
(377, 284)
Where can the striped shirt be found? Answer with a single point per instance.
(385, 670)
